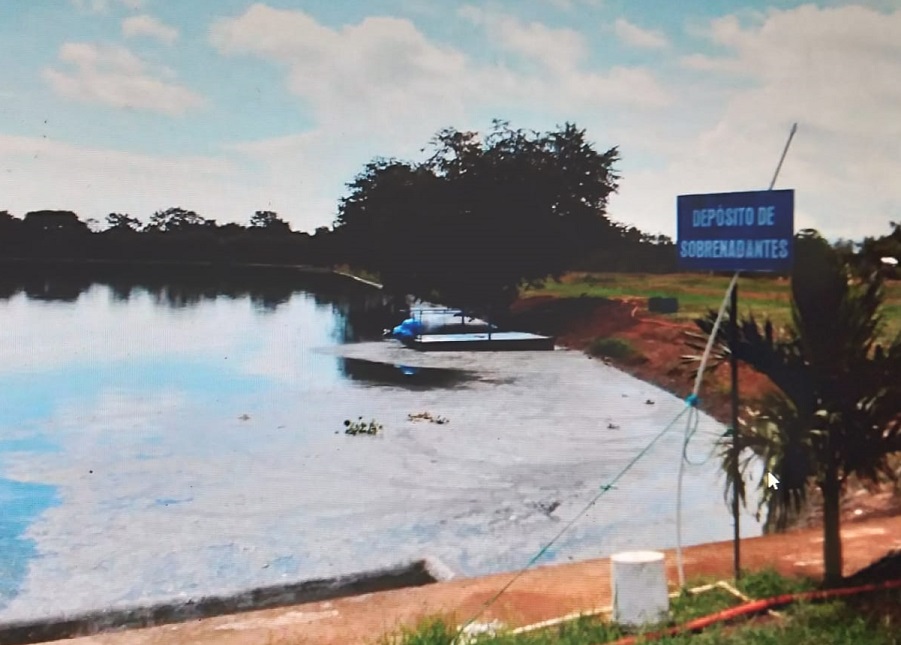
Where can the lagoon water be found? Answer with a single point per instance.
(160, 443)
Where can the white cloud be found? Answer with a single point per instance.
(832, 70)
(569, 5)
(299, 177)
(705, 63)
(103, 6)
(569, 85)
(112, 75)
(638, 37)
(145, 25)
(558, 49)
(383, 75)
(380, 74)
(97, 181)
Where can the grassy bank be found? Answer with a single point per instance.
(871, 618)
(697, 293)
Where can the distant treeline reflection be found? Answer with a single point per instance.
(363, 311)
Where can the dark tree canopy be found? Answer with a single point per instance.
(874, 249)
(52, 220)
(177, 218)
(122, 221)
(269, 220)
(482, 216)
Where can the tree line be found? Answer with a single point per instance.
(471, 224)
(174, 235)
(513, 202)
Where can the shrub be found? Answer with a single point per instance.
(616, 348)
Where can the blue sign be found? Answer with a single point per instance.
(749, 231)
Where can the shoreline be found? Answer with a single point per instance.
(541, 594)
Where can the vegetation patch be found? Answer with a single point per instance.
(620, 349)
(871, 618)
(361, 427)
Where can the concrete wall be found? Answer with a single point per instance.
(411, 574)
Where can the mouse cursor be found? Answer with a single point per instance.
(771, 481)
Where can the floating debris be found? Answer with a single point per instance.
(361, 427)
(546, 507)
(428, 416)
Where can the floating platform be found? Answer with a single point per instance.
(499, 341)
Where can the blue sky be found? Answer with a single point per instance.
(227, 107)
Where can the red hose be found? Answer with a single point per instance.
(756, 607)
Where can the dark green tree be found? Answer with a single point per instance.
(177, 219)
(482, 216)
(270, 221)
(122, 221)
(47, 221)
(874, 249)
(11, 234)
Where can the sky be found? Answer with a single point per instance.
(227, 107)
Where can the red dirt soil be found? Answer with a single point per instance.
(660, 344)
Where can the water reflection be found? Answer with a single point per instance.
(362, 312)
(412, 378)
(66, 290)
(143, 378)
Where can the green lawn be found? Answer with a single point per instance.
(851, 621)
(697, 293)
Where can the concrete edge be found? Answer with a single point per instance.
(357, 278)
(438, 569)
(415, 573)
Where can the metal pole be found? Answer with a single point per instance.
(784, 152)
(736, 448)
(733, 363)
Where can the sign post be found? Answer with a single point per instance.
(736, 445)
(746, 231)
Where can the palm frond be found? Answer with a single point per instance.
(774, 439)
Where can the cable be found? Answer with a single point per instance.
(693, 398)
(692, 423)
(690, 430)
(572, 522)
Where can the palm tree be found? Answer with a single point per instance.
(836, 410)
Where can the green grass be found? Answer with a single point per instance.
(612, 347)
(842, 622)
(697, 293)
